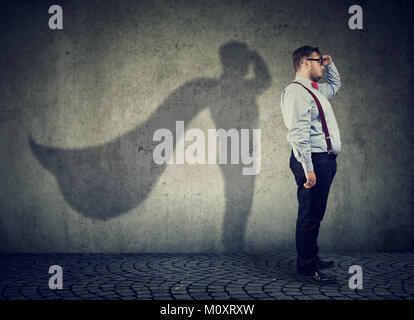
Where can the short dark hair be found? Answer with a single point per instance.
(299, 53)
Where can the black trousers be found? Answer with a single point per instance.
(312, 206)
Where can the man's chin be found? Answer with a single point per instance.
(316, 79)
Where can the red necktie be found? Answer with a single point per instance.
(315, 85)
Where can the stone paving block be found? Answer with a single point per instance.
(310, 292)
(345, 298)
(182, 297)
(401, 294)
(91, 297)
(292, 285)
(215, 290)
(11, 291)
(241, 296)
(255, 289)
(142, 293)
(302, 297)
(113, 297)
(15, 298)
(222, 298)
(157, 296)
(218, 294)
(335, 295)
(125, 293)
(319, 297)
(179, 293)
(54, 298)
(144, 297)
(259, 295)
(205, 297)
(192, 293)
(285, 298)
(129, 298)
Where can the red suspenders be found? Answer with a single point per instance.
(322, 115)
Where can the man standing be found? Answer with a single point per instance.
(315, 139)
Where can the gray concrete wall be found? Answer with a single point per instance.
(78, 108)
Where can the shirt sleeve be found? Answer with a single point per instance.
(296, 109)
(334, 81)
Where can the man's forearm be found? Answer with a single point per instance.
(332, 75)
(304, 155)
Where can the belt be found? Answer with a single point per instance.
(331, 154)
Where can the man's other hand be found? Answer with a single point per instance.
(310, 179)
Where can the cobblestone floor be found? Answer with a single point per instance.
(200, 277)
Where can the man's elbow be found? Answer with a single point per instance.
(337, 86)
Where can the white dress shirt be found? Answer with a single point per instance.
(301, 117)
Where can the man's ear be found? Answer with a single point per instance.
(303, 62)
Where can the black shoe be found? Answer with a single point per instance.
(325, 264)
(318, 277)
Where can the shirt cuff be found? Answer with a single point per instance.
(330, 65)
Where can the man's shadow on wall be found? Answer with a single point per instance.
(105, 181)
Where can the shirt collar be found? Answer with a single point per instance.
(304, 81)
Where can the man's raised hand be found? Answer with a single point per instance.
(326, 60)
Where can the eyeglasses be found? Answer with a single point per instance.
(320, 60)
